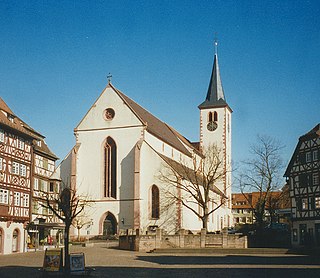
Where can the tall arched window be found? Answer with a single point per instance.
(210, 117)
(215, 116)
(110, 168)
(155, 204)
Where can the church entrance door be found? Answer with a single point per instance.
(109, 225)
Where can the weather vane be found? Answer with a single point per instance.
(109, 76)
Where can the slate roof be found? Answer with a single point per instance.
(215, 95)
(16, 124)
(155, 126)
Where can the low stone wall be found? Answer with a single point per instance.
(159, 240)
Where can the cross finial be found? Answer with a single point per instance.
(215, 44)
(109, 76)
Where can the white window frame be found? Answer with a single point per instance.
(20, 144)
(25, 200)
(17, 198)
(315, 178)
(4, 196)
(36, 184)
(23, 170)
(15, 168)
(315, 155)
(1, 160)
(308, 157)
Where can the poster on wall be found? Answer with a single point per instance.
(52, 260)
(77, 263)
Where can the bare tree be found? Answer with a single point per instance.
(80, 221)
(196, 184)
(262, 175)
(67, 206)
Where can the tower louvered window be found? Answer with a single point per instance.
(110, 168)
(215, 116)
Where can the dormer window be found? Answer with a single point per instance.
(10, 118)
(39, 143)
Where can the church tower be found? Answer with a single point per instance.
(215, 122)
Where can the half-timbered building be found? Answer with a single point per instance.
(302, 176)
(17, 159)
(44, 225)
(15, 179)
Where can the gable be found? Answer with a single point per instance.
(311, 135)
(96, 119)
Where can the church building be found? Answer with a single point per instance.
(119, 152)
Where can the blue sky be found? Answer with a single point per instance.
(55, 57)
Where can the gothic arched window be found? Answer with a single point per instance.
(155, 204)
(110, 168)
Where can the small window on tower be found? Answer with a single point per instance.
(215, 116)
(210, 117)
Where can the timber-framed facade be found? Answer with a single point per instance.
(303, 179)
(20, 160)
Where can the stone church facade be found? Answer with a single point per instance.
(121, 148)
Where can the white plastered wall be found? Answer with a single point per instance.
(7, 237)
(125, 129)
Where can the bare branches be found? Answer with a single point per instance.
(261, 174)
(195, 183)
(67, 207)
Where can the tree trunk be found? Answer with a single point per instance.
(205, 222)
(66, 249)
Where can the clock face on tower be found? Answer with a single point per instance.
(211, 126)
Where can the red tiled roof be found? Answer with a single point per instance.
(16, 123)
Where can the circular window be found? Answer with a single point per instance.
(109, 114)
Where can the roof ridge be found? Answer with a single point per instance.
(153, 124)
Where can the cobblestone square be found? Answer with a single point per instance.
(111, 262)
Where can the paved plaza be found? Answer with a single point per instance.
(111, 262)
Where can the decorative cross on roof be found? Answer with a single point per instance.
(109, 76)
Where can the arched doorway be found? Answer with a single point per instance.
(15, 240)
(109, 225)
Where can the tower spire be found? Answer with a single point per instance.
(215, 95)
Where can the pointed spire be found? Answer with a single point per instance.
(215, 94)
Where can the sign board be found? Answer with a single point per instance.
(52, 260)
(77, 263)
